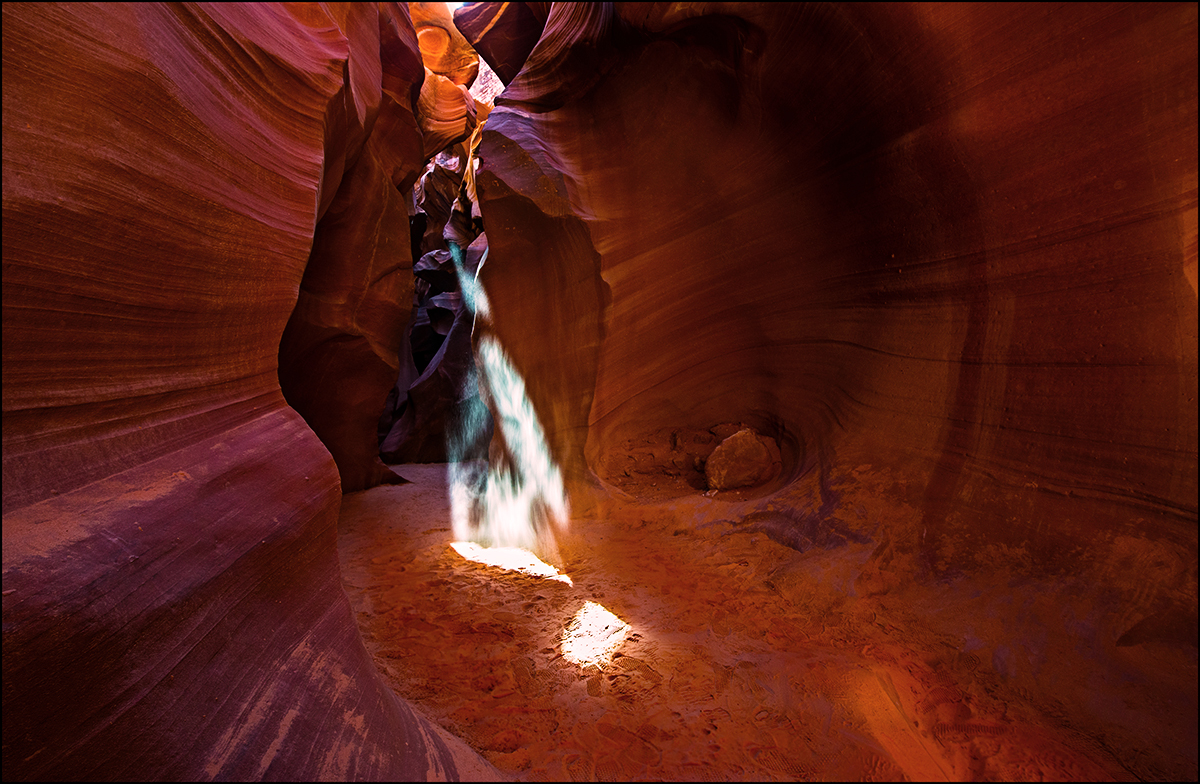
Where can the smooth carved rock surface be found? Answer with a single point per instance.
(444, 50)
(945, 255)
(172, 604)
(915, 241)
(953, 244)
(339, 353)
(438, 190)
(502, 33)
(447, 112)
(741, 460)
(446, 109)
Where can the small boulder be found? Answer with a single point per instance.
(743, 459)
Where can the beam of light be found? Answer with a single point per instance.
(516, 502)
(593, 636)
(512, 558)
(472, 291)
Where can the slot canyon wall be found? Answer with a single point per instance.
(204, 204)
(948, 252)
(872, 232)
(958, 242)
(955, 245)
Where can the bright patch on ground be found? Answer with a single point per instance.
(512, 558)
(593, 635)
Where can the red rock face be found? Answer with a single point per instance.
(339, 356)
(503, 33)
(953, 244)
(855, 228)
(444, 50)
(174, 177)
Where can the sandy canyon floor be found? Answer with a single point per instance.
(745, 659)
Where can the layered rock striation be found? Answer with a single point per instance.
(945, 251)
(867, 232)
(201, 203)
(950, 246)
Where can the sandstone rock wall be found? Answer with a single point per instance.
(176, 177)
(956, 241)
(944, 256)
(341, 352)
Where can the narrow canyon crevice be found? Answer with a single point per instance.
(861, 339)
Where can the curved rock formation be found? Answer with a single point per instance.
(502, 33)
(943, 256)
(338, 356)
(952, 245)
(174, 176)
(444, 50)
(842, 223)
(447, 111)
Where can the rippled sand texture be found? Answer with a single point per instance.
(735, 669)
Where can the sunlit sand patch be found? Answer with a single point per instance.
(514, 559)
(593, 635)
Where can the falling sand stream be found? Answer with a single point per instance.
(744, 659)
